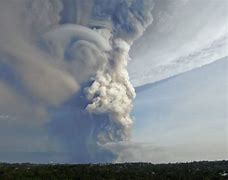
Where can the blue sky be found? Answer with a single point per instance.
(186, 115)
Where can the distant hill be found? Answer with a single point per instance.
(180, 171)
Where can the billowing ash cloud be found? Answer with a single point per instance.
(69, 57)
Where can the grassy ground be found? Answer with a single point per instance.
(179, 171)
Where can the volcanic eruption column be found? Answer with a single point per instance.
(94, 38)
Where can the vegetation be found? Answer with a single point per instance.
(180, 171)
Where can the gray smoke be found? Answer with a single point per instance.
(71, 58)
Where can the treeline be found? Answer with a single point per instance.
(133, 171)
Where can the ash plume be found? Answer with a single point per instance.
(82, 46)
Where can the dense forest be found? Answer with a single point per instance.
(179, 171)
